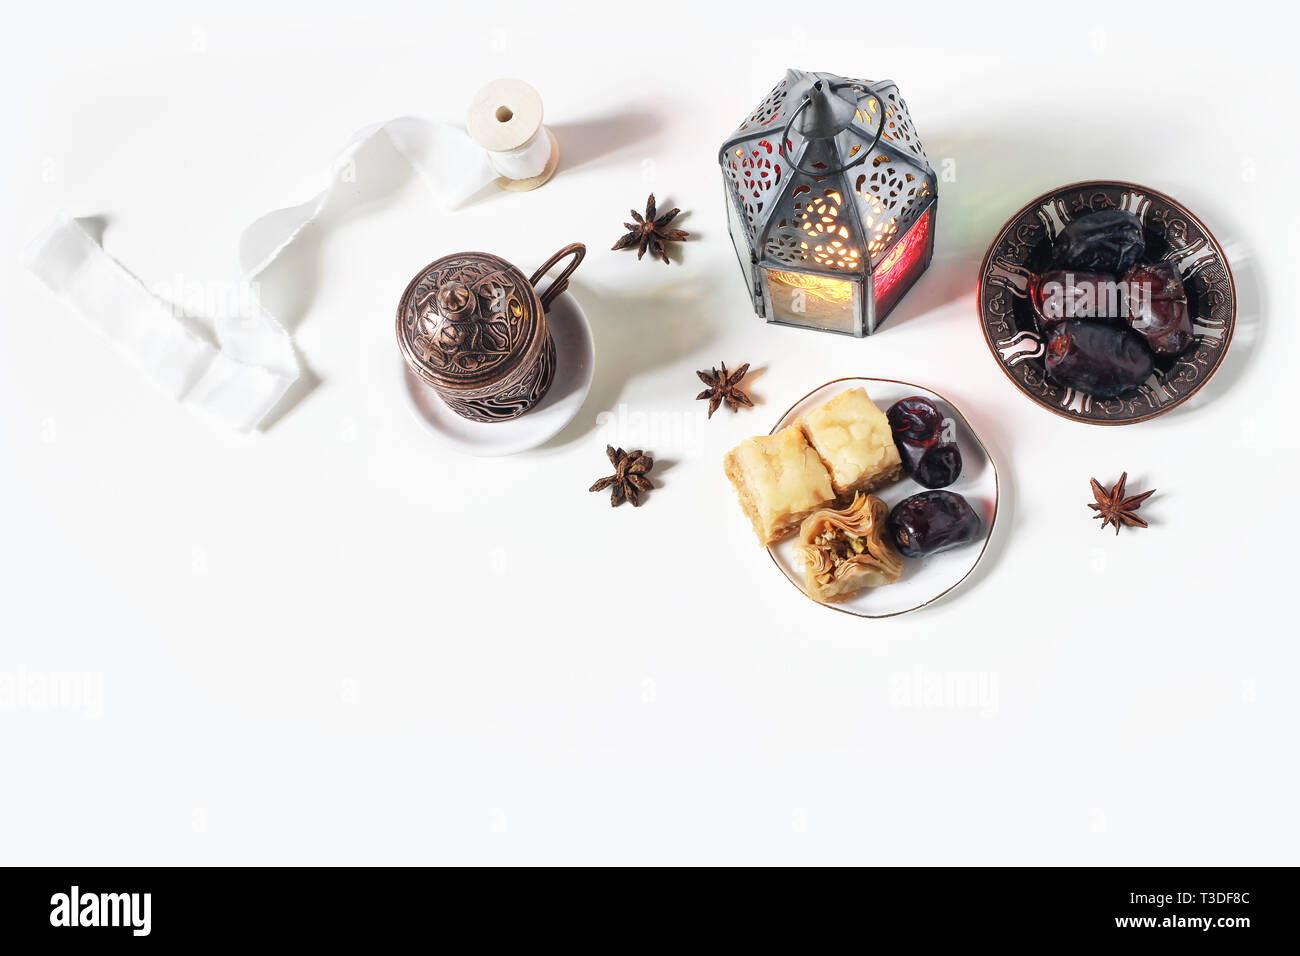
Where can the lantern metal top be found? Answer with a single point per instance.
(828, 173)
(830, 110)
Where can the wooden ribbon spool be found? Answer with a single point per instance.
(505, 118)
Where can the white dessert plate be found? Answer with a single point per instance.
(575, 355)
(924, 580)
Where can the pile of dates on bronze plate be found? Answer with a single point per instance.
(1107, 311)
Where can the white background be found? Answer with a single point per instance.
(335, 642)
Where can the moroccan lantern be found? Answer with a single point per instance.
(830, 201)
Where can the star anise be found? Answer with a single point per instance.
(649, 232)
(724, 386)
(1113, 508)
(629, 478)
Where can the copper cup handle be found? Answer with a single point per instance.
(560, 282)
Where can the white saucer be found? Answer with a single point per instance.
(575, 356)
(924, 580)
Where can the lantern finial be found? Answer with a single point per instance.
(829, 112)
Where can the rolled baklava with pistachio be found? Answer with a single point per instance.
(844, 550)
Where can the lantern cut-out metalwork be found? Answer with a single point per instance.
(830, 201)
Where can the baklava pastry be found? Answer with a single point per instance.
(779, 480)
(854, 439)
(844, 550)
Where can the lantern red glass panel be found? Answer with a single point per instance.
(830, 202)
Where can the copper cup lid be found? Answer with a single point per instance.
(468, 319)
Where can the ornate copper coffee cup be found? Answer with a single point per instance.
(474, 330)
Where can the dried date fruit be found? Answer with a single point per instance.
(1107, 241)
(927, 456)
(931, 522)
(1157, 307)
(915, 421)
(938, 468)
(1101, 360)
(1063, 294)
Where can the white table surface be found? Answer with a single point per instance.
(332, 642)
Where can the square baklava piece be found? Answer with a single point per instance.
(853, 438)
(779, 480)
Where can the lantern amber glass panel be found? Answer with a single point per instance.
(830, 202)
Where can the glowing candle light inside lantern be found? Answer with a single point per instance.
(905, 261)
(819, 301)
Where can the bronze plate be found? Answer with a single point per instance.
(1172, 232)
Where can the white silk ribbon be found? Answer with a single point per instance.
(238, 370)
(527, 161)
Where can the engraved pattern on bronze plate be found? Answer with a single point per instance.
(1173, 233)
